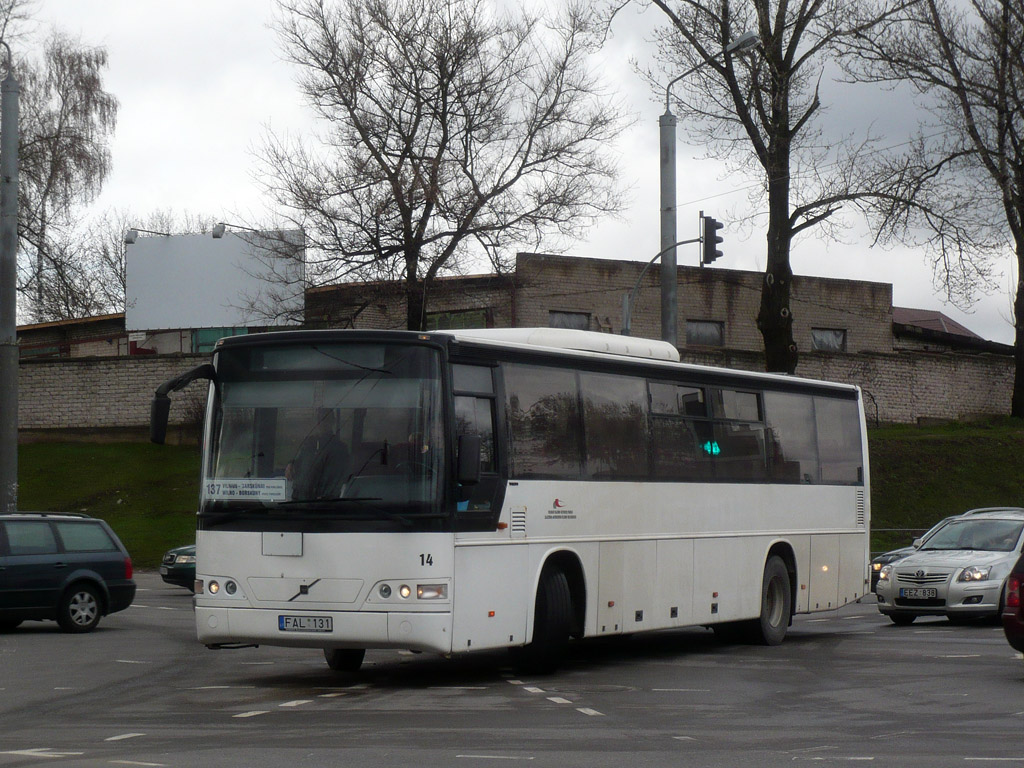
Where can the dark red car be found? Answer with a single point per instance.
(1013, 606)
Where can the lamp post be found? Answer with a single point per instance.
(9, 94)
(667, 125)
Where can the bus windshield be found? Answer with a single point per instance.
(347, 430)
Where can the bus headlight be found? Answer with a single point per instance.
(404, 590)
(213, 587)
(432, 591)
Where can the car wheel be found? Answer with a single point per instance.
(9, 625)
(902, 619)
(80, 609)
(344, 659)
(552, 624)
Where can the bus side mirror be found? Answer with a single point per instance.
(469, 459)
(159, 410)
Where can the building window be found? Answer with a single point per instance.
(705, 333)
(579, 321)
(453, 321)
(828, 339)
(203, 339)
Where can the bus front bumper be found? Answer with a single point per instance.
(419, 631)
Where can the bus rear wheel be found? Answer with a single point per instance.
(344, 659)
(552, 624)
(776, 604)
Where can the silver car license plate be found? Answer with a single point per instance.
(305, 623)
(918, 593)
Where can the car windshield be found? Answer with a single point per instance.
(978, 534)
(344, 430)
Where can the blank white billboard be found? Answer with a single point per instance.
(199, 281)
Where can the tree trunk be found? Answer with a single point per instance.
(1017, 402)
(415, 314)
(775, 318)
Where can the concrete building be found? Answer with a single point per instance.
(911, 364)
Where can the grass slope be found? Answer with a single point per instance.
(148, 493)
(921, 474)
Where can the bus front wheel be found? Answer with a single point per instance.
(344, 659)
(552, 624)
(776, 604)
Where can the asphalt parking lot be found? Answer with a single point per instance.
(845, 687)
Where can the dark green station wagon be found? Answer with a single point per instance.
(65, 567)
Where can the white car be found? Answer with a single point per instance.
(958, 572)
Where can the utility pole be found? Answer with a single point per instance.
(667, 133)
(9, 90)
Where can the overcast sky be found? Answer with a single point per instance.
(199, 80)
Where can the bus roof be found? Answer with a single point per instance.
(566, 338)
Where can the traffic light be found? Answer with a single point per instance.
(710, 240)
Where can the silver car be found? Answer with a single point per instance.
(958, 571)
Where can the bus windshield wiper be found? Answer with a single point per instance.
(327, 502)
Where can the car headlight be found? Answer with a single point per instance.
(876, 567)
(183, 559)
(973, 573)
(885, 573)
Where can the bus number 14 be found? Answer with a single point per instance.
(427, 559)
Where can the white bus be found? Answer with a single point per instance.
(463, 490)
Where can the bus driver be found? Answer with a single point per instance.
(321, 464)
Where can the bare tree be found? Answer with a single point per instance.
(66, 122)
(966, 59)
(451, 132)
(761, 114)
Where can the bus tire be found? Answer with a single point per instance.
(344, 659)
(552, 624)
(776, 604)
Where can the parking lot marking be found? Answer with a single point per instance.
(494, 757)
(40, 752)
(135, 762)
(331, 695)
(124, 736)
(131, 661)
(533, 689)
(254, 713)
(684, 738)
(682, 690)
(995, 759)
(514, 682)
(296, 703)
(589, 711)
(559, 700)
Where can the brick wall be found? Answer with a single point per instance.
(901, 387)
(731, 297)
(104, 393)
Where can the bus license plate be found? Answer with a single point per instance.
(305, 623)
(919, 594)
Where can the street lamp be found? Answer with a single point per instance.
(667, 123)
(132, 235)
